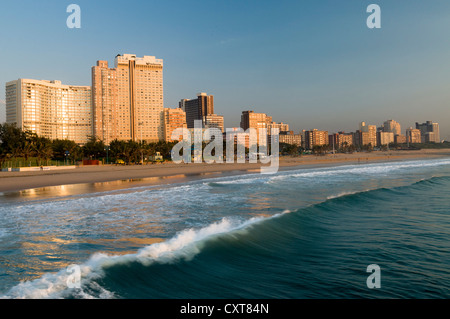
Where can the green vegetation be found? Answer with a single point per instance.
(23, 148)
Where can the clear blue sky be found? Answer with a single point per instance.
(312, 64)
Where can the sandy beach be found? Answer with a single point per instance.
(170, 172)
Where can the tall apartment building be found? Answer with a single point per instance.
(371, 137)
(127, 100)
(50, 109)
(385, 138)
(250, 119)
(429, 132)
(315, 137)
(173, 119)
(413, 135)
(341, 139)
(197, 108)
(393, 127)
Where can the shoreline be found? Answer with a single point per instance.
(120, 177)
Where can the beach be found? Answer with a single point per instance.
(171, 172)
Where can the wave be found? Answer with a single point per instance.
(266, 232)
(183, 246)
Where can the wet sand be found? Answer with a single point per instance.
(170, 172)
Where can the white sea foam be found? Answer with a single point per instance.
(183, 246)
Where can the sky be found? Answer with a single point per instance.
(311, 64)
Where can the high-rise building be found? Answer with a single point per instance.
(315, 138)
(371, 136)
(128, 99)
(341, 139)
(50, 109)
(197, 108)
(429, 132)
(173, 119)
(392, 126)
(385, 138)
(413, 135)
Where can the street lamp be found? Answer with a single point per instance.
(142, 153)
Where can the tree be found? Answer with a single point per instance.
(94, 148)
(42, 149)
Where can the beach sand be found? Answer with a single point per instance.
(171, 172)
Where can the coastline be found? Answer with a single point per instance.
(154, 174)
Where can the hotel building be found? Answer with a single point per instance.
(50, 109)
(127, 100)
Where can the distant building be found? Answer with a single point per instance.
(392, 126)
(197, 108)
(371, 137)
(341, 139)
(429, 132)
(315, 138)
(250, 119)
(385, 138)
(173, 119)
(50, 109)
(413, 136)
(290, 138)
(213, 121)
(400, 139)
(362, 138)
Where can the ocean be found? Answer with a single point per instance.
(306, 233)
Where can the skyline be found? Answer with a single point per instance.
(310, 65)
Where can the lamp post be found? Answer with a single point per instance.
(142, 153)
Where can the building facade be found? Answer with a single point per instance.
(413, 135)
(393, 127)
(173, 119)
(128, 99)
(197, 108)
(429, 132)
(290, 138)
(315, 138)
(50, 109)
(213, 121)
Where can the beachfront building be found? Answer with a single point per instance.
(173, 119)
(400, 139)
(370, 137)
(385, 138)
(127, 100)
(197, 108)
(393, 127)
(413, 135)
(315, 138)
(50, 109)
(429, 132)
(340, 139)
(290, 138)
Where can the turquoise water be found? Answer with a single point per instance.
(302, 233)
